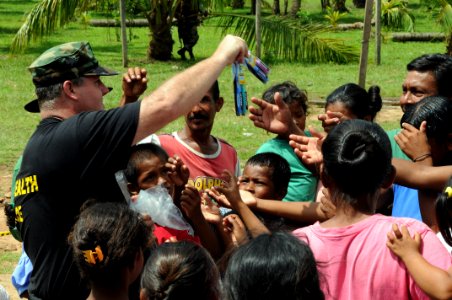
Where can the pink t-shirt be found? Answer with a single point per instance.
(355, 263)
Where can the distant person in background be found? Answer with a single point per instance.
(188, 15)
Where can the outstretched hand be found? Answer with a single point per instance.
(275, 118)
(190, 202)
(134, 83)
(234, 226)
(210, 210)
(178, 172)
(230, 188)
(308, 149)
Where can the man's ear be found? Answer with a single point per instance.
(68, 89)
(219, 103)
(390, 179)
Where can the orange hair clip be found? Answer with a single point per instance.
(92, 257)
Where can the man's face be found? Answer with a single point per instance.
(203, 114)
(91, 93)
(417, 85)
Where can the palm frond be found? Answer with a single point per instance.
(445, 16)
(395, 15)
(44, 18)
(288, 39)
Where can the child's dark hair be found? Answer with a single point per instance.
(289, 92)
(357, 100)
(140, 153)
(106, 239)
(279, 169)
(436, 110)
(443, 208)
(182, 270)
(272, 266)
(357, 158)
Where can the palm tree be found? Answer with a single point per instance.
(445, 19)
(281, 36)
(287, 39)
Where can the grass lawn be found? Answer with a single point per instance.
(16, 88)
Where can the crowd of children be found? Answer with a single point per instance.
(247, 237)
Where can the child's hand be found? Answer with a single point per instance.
(327, 207)
(230, 188)
(190, 202)
(401, 243)
(234, 226)
(178, 173)
(210, 210)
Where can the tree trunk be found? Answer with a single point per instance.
(418, 37)
(286, 6)
(295, 8)
(161, 44)
(324, 4)
(339, 5)
(276, 9)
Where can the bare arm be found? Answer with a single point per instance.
(420, 176)
(178, 95)
(305, 212)
(435, 282)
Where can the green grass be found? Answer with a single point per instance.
(16, 88)
(8, 261)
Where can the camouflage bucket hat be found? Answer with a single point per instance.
(64, 62)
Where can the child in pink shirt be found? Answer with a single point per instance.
(353, 260)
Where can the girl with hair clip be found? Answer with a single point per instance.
(435, 282)
(356, 167)
(272, 266)
(181, 270)
(108, 242)
(350, 101)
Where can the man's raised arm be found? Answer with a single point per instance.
(177, 96)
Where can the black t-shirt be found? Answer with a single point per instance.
(64, 164)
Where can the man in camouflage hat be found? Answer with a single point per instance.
(77, 148)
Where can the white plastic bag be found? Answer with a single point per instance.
(157, 203)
